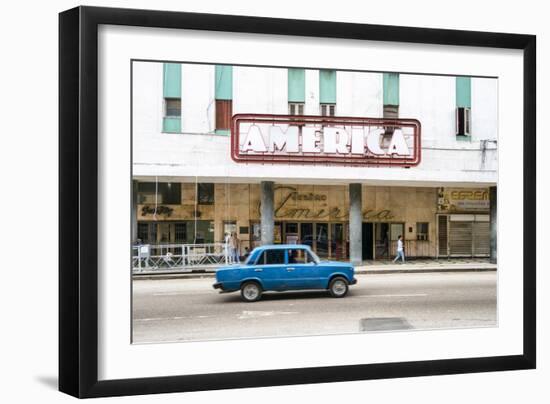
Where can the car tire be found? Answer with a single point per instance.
(338, 287)
(251, 291)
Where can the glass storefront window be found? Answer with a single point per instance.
(306, 234)
(168, 193)
(205, 193)
(381, 240)
(338, 246)
(183, 232)
(321, 239)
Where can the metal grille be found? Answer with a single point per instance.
(443, 239)
(151, 257)
(143, 232)
(481, 238)
(181, 232)
(422, 231)
(460, 238)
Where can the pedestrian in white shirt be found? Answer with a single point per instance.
(400, 252)
(234, 245)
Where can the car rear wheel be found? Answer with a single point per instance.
(338, 287)
(251, 291)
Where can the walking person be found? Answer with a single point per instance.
(234, 245)
(400, 252)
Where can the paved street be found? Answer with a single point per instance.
(189, 309)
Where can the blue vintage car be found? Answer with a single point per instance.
(284, 267)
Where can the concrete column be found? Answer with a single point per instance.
(134, 210)
(355, 224)
(267, 211)
(493, 218)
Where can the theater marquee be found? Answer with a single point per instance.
(325, 140)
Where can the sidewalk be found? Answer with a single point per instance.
(427, 265)
(367, 267)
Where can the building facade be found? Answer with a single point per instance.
(187, 188)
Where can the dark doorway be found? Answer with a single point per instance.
(383, 238)
(368, 240)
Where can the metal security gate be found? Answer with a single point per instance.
(460, 238)
(443, 233)
(481, 234)
(464, 235)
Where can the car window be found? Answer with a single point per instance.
(311, 257)
(271, 257)
(297, 256)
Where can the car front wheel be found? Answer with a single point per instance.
(338, 287)
(251, 291)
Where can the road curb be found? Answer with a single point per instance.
(199, 275)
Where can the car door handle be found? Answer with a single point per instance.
(290, 269)
(258, 270)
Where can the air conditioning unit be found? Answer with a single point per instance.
(463, 121)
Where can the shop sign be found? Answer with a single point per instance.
(463, 199)
(325, 140)
(155, 211)
(286, 209)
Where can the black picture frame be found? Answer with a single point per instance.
(78, 206)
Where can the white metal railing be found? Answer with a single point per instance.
(154, 257)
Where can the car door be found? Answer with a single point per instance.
(302, 270)
(270, 269)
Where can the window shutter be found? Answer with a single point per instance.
(390, 86)
(327, 86)
(463, 92)
(224, 82)
(172, 80)
(296, 85)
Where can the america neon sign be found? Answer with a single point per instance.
(290, 139)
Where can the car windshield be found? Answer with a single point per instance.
(316, 259)
(249, 260)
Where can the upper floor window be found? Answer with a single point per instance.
(390, 87)
(327, 92)
(463, 106)
(295, 108)
(296, 91)
(328, 109)
(224, 98)
(224, 112)
(172, 107)
(171, 89)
